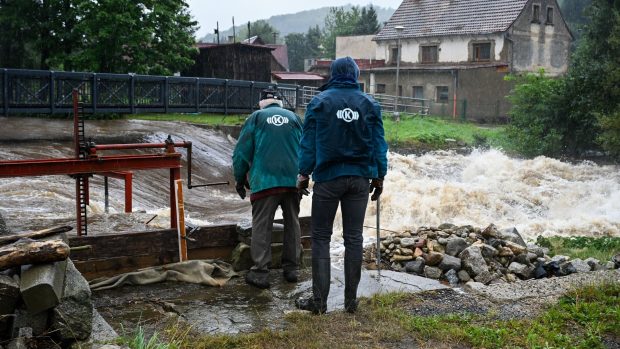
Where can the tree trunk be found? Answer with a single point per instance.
(31, 252)
(7, 239)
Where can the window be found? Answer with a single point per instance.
(394, 54)
(400, 90)
(442, 94)
(549, 15)
(362, 86)
(380, 88)
(429, 54)
(481, 52)
(418, 92)
(536, 13)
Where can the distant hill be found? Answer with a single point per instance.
(296, 22)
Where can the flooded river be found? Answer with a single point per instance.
(538, 196)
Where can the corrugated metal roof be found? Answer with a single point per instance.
(296, 76)
(280, 53)
(424, 18)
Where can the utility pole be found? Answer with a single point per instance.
(249, 32)
(399, 30)
(217, 31)
(234, 32)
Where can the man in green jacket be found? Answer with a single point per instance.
(265, 160)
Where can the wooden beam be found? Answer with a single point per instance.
(7, 239)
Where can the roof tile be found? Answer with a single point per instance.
(424, 18)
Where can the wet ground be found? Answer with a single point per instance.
(236, 307)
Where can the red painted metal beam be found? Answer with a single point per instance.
(138, 146)
(47, 167)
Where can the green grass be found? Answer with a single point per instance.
(428, 132)
(435, 131)
(208, 119)
(601, 248)
(584, 318)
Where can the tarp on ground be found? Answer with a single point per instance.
(205, 272)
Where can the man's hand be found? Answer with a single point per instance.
(240, 187)
(302, 184)
(376, 188)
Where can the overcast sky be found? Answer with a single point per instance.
(208, 12)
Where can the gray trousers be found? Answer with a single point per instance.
(263, 211)
(351, 193)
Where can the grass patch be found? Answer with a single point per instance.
(435, 132)
(207, 119)
(601, 248)
(585, 318)
(426, 132)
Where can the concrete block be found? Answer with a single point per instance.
(42, 284)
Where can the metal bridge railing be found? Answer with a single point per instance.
(49, 92)
(388, 102)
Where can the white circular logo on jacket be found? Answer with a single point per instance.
(347, 115)
(277, 120)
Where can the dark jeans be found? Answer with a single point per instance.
(351, 192)
(263, 211)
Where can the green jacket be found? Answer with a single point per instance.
(268, 149)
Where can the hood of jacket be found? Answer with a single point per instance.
(343, 73)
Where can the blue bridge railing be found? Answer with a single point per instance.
(49, 92)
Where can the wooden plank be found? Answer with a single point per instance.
(93, 269)
(7, 239)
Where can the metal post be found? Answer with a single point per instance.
(175, 173)
(166, 94)
(52, 84)
(5, 92)
(399, 29)
(226, 97)
(128, 192)
(132, 89)
(106, 194)
(95, 93)
(197, 95)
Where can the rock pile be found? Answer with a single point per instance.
(43, 302)
(459, 254)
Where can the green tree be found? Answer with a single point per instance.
(594, 79)
(368, 23)
(340, 22)
(536, 126)
(303, 46)
(146, 37)
(261, 28)
(18, 35)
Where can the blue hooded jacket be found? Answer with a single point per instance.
(343, 130)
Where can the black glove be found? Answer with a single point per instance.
(302, 184)
(240, 187)
(376, 188)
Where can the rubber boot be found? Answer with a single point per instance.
(352, 274)
(321, 274)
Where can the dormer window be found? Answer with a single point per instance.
(429, 54)
(536, 13)
(549, 15)
(481, 52)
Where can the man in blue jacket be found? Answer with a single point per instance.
(267, 150)
(343, 147)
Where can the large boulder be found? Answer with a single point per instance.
(455, 246)
(9, 295)
(72, 319)
(512, 235)
(416, 266)
(450, 263)
(472, 261)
